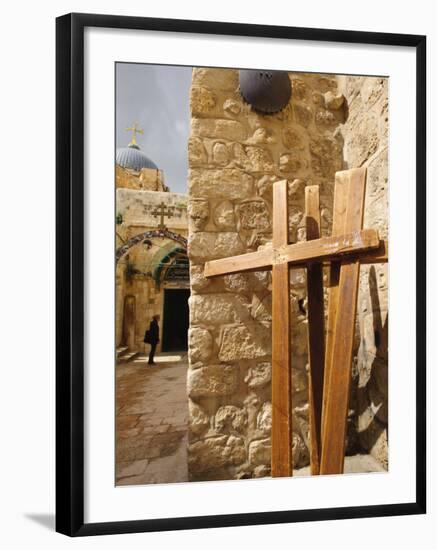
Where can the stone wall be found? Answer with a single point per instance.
(235, 155)
(365, 137)
(134, 282)
(147, 179)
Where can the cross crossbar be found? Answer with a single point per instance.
(296, 254)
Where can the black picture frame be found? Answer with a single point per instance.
(70, 273)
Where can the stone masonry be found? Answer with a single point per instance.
(235, 155)
(366, 144)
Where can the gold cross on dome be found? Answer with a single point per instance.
(135, 129)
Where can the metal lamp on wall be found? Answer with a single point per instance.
(268, 92)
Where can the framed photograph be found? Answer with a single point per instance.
(239, 208)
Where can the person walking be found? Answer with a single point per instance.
(151, 337)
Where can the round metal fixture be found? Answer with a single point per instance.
(267, 92)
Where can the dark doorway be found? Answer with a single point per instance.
(176, 320)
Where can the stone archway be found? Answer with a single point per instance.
(162, 233)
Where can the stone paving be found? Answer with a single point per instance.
(151, 423)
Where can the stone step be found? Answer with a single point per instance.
(128, 356)
(355, 464)
(121, 350)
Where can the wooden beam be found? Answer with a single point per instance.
(282, 457)
(252, 261)
(325, 248)
(295, 254)
(316, 336)
(349, 210)
(377, 256)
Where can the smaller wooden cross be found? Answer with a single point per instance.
(163, 211)
(345, 249)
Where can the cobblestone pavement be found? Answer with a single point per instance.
(151, 423)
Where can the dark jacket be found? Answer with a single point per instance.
(154, 331)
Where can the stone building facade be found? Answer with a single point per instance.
(146, 179)
(235, 155)
(147, 256)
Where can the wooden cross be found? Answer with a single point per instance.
(163, 211)
(330, 366)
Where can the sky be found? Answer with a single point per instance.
(157, 97)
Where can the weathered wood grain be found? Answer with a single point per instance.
(282, 458)
(336, 391)
(296, 254)
(316, 336)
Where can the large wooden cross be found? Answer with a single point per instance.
(330, 364)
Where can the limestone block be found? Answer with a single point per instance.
(197, 281)
(260, 451)
(237, 282)
(226, 184)
(217, 79)
(262, 308)
(299, 379)
(202, 100)
(198, 419)
(265, 187)
(203, 246)
(262, 136)
(198, 213)
(259, 376)
(197, 154)
(224, 216)
(303, 114)
(250, 341)
(376, 215)
(253, 214)
(326, 156)
(363, 140)
(200, 344)
(378, 402)
(379, 449)
(259, 159)
(317, 98)
(373, 89)
(299, 90)
(325, 117)
(326, 83)
(296, 188)
(215, 452)
(301, 421)
(300, 452)
(220, 154)
(333, 101)
(291, 162)
(262, 470)
(232, 107)
(299, 338)
(292, 138)
(218, 129)
(295, 217)
(218, 309)
(261, 280)
(264, 420)
(230, 418)
(212, 381)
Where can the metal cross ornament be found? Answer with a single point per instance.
(163, 211)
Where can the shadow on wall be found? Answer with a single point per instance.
(372, 398)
